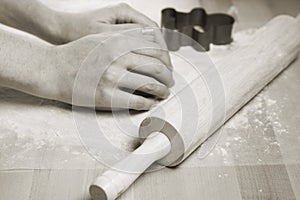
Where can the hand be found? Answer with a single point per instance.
(108, 19)
(48, 71)
(146, 70)
(60, 27)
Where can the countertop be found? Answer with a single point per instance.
(257, 155)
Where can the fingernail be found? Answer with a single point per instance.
(172, 83)
(150, 87)
(171, 67)
(153, 105)
(159, 69)
(150, 105)
(167, 94)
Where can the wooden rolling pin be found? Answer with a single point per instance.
(244, 73)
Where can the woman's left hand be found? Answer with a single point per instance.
(107, 19)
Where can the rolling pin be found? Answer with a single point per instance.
(244, 73)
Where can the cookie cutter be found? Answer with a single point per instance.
(203, 28)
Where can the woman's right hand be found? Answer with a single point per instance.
(146, 70)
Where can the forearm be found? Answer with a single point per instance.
(24, 62)
(33, 17)
(34, 66)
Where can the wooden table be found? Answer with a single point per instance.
(257, 155)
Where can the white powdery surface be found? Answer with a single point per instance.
(262, 105)
(248, 138)
(39, 134)
(250, 130)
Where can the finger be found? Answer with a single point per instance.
(126, 14)
(148, 85)
(158, 53)
(122, 99)
(156, 35)
(141, 34)
(120, 27)
(151, 67)
(148, 47)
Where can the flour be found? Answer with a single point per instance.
(261, 105)
(258, 115)
(249, 137)
(37, 133)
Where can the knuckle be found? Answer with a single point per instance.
(137, 103)
(150, 80)
(120, 8)
(158, 69)
(101, 97)
(110, 76)
(152, 61)
(125, 60)
(156, 89)
(123, 5)
(150, 88)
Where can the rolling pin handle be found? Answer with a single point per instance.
(113, 182)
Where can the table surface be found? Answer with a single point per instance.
(257, 155)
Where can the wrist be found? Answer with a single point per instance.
(46, 79)
(60, 73)
(33, 17)
(50, 25)
(25, 63)
(68, 27)
(56, 27)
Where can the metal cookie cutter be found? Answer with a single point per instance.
(203, 28)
